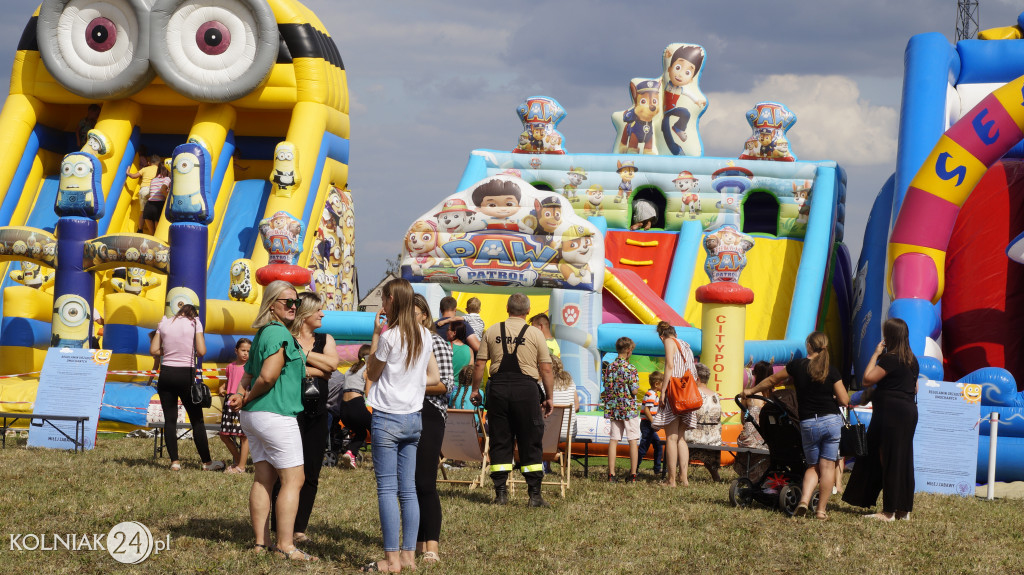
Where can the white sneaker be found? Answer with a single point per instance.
(213, 466)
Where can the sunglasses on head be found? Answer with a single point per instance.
(289, 302)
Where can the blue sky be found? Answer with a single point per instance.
(429, 81)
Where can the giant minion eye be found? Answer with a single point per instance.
(176, 300)
(184, 165)
(214, 50)
(82, 169)
(96, 48)
(73, 312)
(67, 168)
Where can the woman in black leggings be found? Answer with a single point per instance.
(321, 361)
(428, 453)
(178, 343)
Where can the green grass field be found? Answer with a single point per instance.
(641, 528)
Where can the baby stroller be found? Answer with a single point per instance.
(781, 484)
(338, 441)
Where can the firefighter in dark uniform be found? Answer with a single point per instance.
(515, 407)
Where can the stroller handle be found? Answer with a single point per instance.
(744, 411)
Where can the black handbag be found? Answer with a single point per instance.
(201, 395)
(853, 438)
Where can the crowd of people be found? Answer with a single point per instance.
(284, 394)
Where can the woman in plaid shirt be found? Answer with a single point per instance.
(435, 412)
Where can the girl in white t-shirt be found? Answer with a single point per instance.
(400, 367)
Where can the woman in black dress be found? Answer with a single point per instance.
(889, 465)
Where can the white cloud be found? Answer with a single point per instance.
(833, 121)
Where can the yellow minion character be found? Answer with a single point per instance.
(285, 174)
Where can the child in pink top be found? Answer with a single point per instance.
(229, 425)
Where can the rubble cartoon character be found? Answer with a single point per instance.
(71, 322)
(576, 177)
(627, 171)
(574, 255)
(595, 195)
(421, 243)
(285, 174)
(682, 65)
(80, 190)
(802, 196)
(190, 181)
(546, 217)
(638, 131)
(454, 216)
(32, 275)
(498, 201)
(688, 186)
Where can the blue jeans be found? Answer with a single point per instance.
(820, 436)
(395, 437)
(648, 437)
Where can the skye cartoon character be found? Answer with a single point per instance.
(750, 149)
(802, 196)
(595, 195)
(682, 97)
(627, 171)
(498, 200)
(687, 186)
(71, 322)
(574, 256)
(421, 243)
(576, 177)
(454, 216)
(638, 131)
(285, 174)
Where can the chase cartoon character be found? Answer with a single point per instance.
(190, 181)
(545, 218)
(71, 322)
(454, 217)
(637, 122)
(682, 97)
(574, 256)
(80, 189)
(285, 175)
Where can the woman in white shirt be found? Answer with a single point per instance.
(400, 367)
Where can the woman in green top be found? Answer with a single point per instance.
(268, 408)
(462, 354)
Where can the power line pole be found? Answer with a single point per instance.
(966, 19)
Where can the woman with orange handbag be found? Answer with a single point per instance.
(678, 362)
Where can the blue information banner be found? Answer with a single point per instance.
(946, 440)
(71, 383)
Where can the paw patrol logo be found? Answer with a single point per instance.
(498, 259)
(535, 163)
(571, 314)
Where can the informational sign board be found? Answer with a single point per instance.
(71, 383)
(946, 440)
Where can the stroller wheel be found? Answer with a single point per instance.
(789, 499)
(741, 492)
(330, 459)
(814, 499)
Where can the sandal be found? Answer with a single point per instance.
(430, 557)
(232, 470)
(370, 568)
(801, 510)
(259, 549)
(300, 538)
(291, 555)
(821, 515)
(175, 467)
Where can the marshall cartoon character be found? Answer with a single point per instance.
(802, 196)
(574, 255)
(421, 243)
(454, 217)
(497, 200)
(687, 186)
(576, 177)
(638, 128)
(627, 171)
(595, 195)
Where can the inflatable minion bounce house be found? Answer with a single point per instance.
(247, 102)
